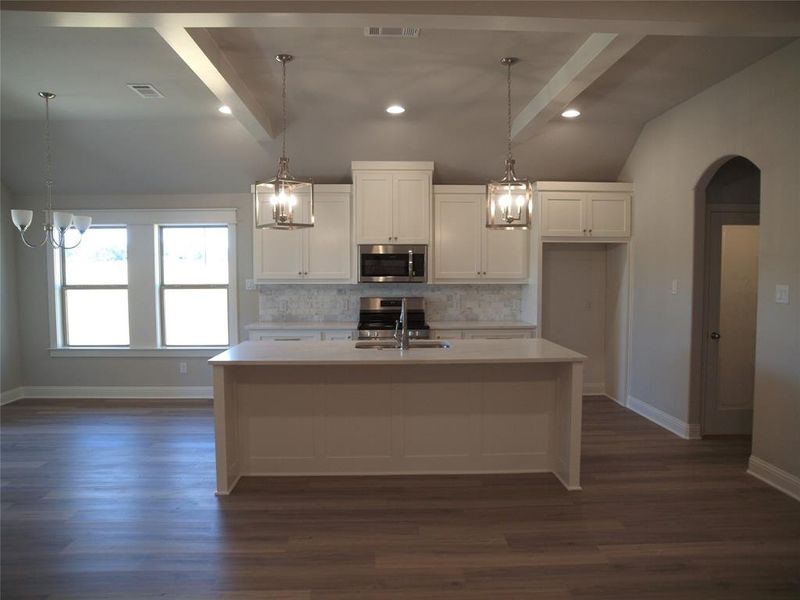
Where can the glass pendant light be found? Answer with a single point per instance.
(284, 202)
(56, 223)
(509, 200)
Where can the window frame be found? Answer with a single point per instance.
(179, 286)
(144, 323)
(65, 287)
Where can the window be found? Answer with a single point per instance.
(194, 285)
(146, 282)
(95, 289)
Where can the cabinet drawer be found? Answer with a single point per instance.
(337, 335)
(497, 334)
(285, 336)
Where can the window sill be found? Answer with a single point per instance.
(108, 352)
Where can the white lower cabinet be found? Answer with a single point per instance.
(465, 250)
(484, 334)
(315, 255)
(300, 335)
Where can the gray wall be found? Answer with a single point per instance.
(755, 114)
(11, 375)
(43, 370)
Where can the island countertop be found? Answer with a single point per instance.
(513, 351)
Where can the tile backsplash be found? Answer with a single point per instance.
(283, 302)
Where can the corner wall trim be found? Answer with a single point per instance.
(776, 477)
(168, 392)
(688, 431)
(10, 396)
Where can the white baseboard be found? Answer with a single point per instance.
(594, 389)
(168, 392)
(776, 477)
(688, 431)
(10, 396)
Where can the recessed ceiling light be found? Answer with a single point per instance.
(571, 113)
(225, 109)
(395, 109)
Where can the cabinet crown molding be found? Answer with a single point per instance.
(391, 165)
(582, 186)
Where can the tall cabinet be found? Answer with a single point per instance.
(465, 251)
(582, 236)
(392, 202)
(315, 255)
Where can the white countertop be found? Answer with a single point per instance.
(351, 325)
(345, 352)
(444, 325)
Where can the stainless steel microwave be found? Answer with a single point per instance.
(392, 263)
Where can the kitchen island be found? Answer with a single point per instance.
(329, 408)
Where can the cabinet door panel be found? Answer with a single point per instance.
(278, 254)
(506, 254)
(328, 251)
(563, 214)
(373, 207)
(412, 207)
(609, 214)
(457, 240)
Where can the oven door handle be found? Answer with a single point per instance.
(410, 263)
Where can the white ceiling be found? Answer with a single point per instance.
(109, 140)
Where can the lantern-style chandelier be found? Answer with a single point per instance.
(285, 201)
(509, 200)
(56, 223)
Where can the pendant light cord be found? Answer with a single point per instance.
(508, 106)
(283, 100)
(48, 154)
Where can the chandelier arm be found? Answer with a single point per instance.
(29, 245)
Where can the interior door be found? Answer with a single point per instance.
(730, 323)
(412, 207)
(563, 214)
(328, 254)
(373, 207)
(457, 241)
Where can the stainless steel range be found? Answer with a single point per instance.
(380, 318)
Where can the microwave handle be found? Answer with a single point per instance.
(410, 263)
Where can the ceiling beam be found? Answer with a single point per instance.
(590, 61)
(632, 18)
(202, 55)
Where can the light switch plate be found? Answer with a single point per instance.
(250, 285)
(782, 294)
(674, 287)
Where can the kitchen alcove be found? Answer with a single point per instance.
(584, 299)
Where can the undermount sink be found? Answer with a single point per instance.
(392, 345)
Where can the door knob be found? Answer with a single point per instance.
(715, 335)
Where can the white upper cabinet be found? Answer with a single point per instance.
(584, 210)
(392, 202)
(465, 250)
(318, 254)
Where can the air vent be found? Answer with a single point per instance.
(392, 32)
(145, 90)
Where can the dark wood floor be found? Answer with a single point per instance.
(115, 500)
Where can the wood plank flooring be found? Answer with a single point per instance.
(114, 499)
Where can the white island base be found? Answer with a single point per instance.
(326, 408)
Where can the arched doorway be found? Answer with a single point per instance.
(730, 215)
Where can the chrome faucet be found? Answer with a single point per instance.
(401, 337)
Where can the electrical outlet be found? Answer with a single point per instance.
(674, 287)
(782, 294)
(250, 285)
(284, 304)
(183, 368)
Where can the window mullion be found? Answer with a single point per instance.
(142, 288)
